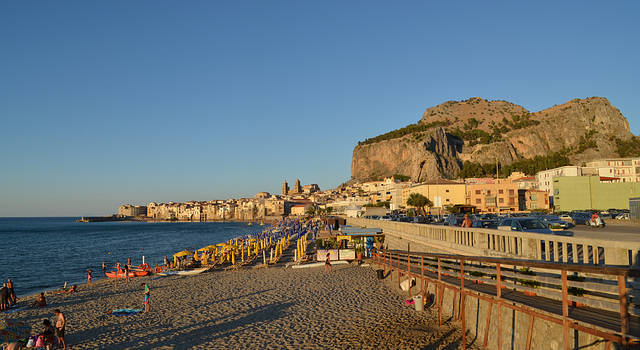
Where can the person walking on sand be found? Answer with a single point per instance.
(104, 266)
(61, 323)
(146, 296)
(327, 263)
(88, 276)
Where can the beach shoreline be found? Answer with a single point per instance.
(262, 308)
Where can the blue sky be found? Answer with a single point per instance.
(109, 103)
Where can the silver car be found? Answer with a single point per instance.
(524, 225)
(551, 220)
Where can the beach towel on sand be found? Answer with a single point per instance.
(124, 312)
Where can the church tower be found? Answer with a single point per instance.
(297, 188)
(285, 188)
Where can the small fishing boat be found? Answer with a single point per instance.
(112, 274)
(183, 272)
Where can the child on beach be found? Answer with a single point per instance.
(328, 263)
(88, 276)
(146, 296)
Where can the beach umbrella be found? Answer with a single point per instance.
(182, 253)
(209, 248)
(11, 330)
(195, 255)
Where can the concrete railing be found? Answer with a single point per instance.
(509, 244)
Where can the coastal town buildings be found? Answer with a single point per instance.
(441, 192)
(600, 185)
(132, 210)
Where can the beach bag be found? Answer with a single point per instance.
(30, 343)
(39, 342)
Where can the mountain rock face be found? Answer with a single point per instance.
(484, 131)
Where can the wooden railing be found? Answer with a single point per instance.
(544, 290)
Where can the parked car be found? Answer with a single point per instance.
(566, 217)
(385, 218)
(580, 218)
(486, 223)
(551, 220)
(455, 221)
(527, 224)
(623, 216)
(405, 219)
(421, 219)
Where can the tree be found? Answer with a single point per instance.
(419, 201)
(311, 210)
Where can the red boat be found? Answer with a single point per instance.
(112, 274)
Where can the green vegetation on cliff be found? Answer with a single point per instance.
(527, 166)
(409, 129)
(629, 148)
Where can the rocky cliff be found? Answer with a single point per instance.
(483, 131)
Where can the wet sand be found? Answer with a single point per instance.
(251, 308)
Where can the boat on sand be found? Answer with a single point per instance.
(112, 274)
(184, 272)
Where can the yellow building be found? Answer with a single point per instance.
(441, 192)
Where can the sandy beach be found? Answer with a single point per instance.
(251, 308)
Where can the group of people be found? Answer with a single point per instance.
(7, 295)
(49, 333)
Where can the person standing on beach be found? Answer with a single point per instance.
(104, 266)
(12, 294)
(4, 297)
(126, 272)
(60, 325)
(88, 276)
(146, 296)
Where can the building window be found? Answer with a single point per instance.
(478, 191)
(478, 201)
(500, 191)
(501, 200)
(447, 191)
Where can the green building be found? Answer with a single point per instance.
(589, 192)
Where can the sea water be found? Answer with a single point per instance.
(40, 254)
